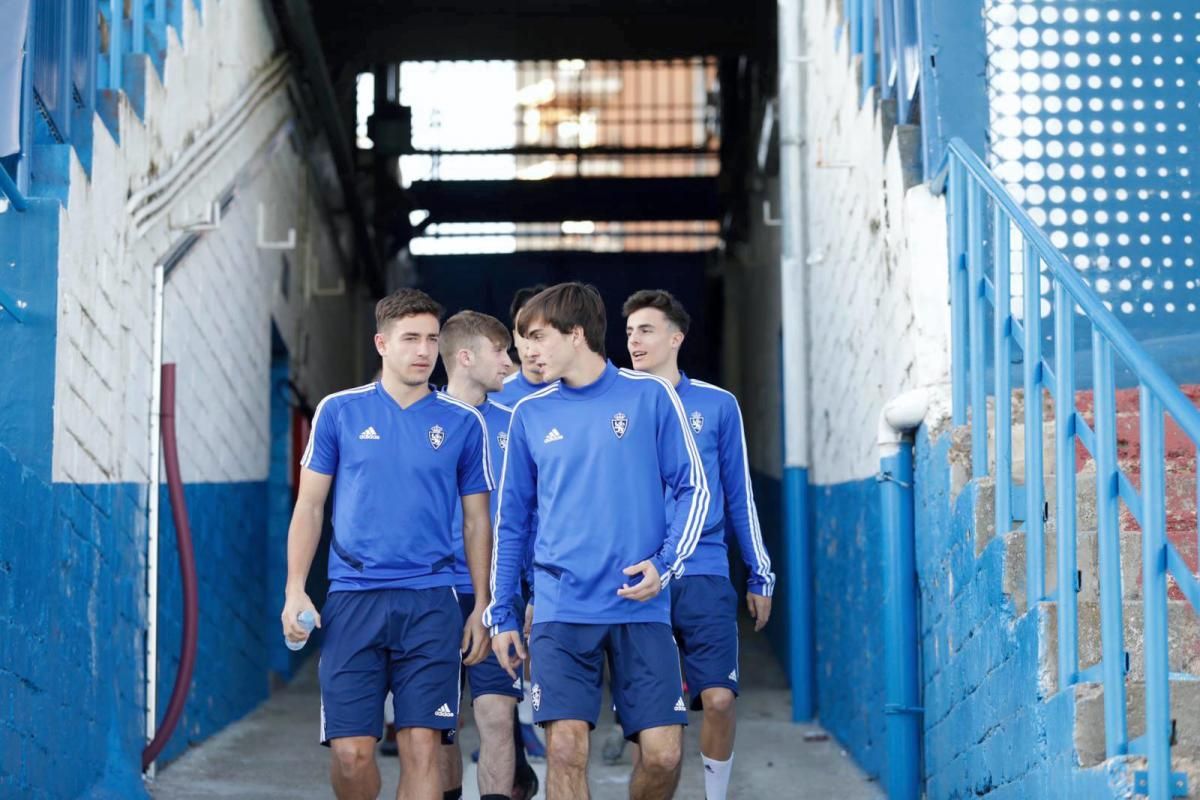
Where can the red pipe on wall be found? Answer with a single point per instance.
(187, 569)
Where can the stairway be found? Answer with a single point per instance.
(1087, 744)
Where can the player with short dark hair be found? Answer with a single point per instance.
(526, 379)
(404, 456)
(591, 454)
(704, 601)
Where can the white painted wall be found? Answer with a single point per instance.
(219, 300)
(878, 310)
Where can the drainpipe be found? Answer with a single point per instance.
(797, 534)
(154, 465)
(903, 703)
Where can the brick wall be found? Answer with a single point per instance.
(878, 318)
(74, 428)
(878, 325)
(992, 726)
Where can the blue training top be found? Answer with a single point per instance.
(516, 388)
(716, 422)
(496, 416)
(399, 475)
(592, 462)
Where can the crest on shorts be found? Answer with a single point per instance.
(697, 421)
(535, 696)
(620, 424)
(437, 435)
(502, 439)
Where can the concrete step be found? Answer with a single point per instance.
(1183, 537)
(1185, 710)
(1181, 483)
(1087, 563)
(1183, 643)
(960, 448)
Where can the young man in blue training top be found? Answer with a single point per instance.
(403, 456)
(474, 349)
(523, 382)
(704, 602)
(526, 380)
(591, 454)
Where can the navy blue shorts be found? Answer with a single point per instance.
(488, 677)
(568, 667)
(389, 639)
(704, 615)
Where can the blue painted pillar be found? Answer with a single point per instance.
(795, 379)
(798, 544)
(953, 68)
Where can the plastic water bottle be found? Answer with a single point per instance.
(308, 622)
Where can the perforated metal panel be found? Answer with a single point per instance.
(1095, 109)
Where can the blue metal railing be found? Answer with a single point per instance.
(51, 59)
(884, 33)
(979, 291)
(8, 188)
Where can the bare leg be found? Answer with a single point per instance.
(656, 773)
(497, 753)
(719, 725)
(353, 771)
(450, 765)
(419, 773)
(566, 760)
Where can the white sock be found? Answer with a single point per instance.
(716, 777)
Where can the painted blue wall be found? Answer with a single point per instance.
(848, 585)
(71, 669)
(229, 532)
(988, 728)
(71, 599)
(953, 85)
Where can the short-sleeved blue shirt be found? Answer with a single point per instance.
(399, 474)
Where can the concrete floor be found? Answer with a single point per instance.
(273, 752)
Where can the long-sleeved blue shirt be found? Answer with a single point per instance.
(716, 422)
(516, 388)
(592, 462)
(496, 417)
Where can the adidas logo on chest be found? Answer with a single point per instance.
(369, 433)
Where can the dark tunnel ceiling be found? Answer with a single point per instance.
(379, 31)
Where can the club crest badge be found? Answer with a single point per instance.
(437, 435)
(502, 439)
(620, 424)
(535, 696)
(697, 421)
